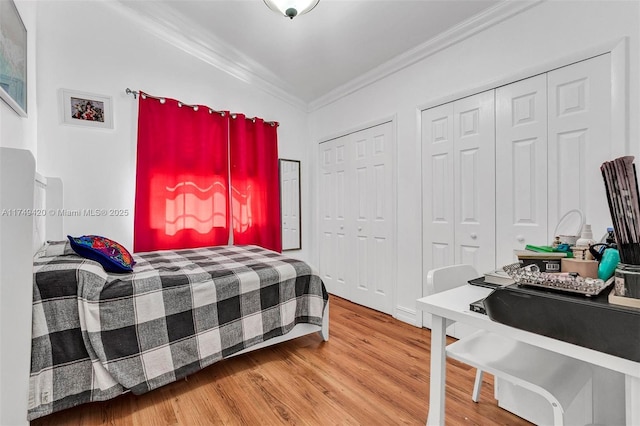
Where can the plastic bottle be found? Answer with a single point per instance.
(586, 238)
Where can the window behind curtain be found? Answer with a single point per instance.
(181, 177)
(255, 183)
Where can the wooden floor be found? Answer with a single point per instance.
(374, 370)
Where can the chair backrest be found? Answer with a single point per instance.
(449, 277)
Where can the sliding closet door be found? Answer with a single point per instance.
(371, 206)
(333, 226)
(579, 141)
(474, 166)
(521, 167)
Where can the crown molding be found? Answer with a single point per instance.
(466, 29)
(164, 23)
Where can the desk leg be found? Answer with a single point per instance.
(632, 399)
(438, 371)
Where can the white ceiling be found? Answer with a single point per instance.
(312, 55)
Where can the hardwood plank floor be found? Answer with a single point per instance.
(374, 370)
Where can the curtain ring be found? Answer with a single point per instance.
(143, 96)
(195, 107)
(163, 100)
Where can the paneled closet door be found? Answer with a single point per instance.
(333, 227)
(458, 207)
(474, 169)
(579, 141)
(521, 167)
(371, 207)
(357, 249)
(437, 183)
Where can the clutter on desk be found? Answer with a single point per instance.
(570, 282)
(621, 184)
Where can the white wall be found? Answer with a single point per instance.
(92, 47)
(547, 33)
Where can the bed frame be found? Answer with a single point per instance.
(25, 198)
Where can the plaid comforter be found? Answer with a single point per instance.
(97, 335)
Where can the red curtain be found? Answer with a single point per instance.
(255, 183)
(181, 177)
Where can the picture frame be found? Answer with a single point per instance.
(87, 109)
(13, 58)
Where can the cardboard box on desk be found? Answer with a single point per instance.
(585, 268)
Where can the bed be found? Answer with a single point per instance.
(96, 335)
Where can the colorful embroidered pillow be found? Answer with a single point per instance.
(111, 255)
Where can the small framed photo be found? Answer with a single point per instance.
(87, 109)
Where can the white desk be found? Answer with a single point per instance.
(453, 305)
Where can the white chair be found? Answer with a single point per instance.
(557, 378)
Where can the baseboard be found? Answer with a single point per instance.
(407, 315)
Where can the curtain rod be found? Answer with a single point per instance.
(195, 107)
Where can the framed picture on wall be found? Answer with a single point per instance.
(13, 58)
(87, 109)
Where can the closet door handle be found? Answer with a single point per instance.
(520, 238)
(359, 229)
(473, 236)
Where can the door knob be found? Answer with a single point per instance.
(520, 238)
(341, 227)
(359, 229)
(473, 235)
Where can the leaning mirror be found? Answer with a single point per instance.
(290, 204)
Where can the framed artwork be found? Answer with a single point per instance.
(87, 109)
(13, 58)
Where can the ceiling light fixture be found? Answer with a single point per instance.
(291, 8)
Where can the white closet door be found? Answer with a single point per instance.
(373, 221)
(333, 193)
(437, 182)
(437, 201)
(521, 167)
(579, 141)
(474, 165)
(357, 250)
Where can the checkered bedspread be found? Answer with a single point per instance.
(97, 335)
